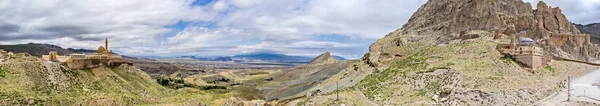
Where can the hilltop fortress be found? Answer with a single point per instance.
(102, 57)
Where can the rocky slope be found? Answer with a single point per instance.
(439, 21)
(592, 29)
(294, 82)
(427, 63)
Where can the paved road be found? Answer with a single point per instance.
(583, 86)
(582, 90)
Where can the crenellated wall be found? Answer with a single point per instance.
(561, 39)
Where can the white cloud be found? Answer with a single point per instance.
(126, 22)
(138, 27)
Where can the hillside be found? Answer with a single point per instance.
(294, 82)
(35, 49)
(429, 62)
(28, 80)
(592, 29)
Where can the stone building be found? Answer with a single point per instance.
(102, 57)
(526, 52)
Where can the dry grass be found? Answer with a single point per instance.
(479, 67)
(25, 80)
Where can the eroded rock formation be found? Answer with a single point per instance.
(438, 21)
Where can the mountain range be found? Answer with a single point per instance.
(592, 29)
(43, 49)
(258, 57)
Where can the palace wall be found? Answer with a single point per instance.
(562, 39)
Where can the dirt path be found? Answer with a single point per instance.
(365, 98)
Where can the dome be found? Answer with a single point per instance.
(101, 50)
(526, 41)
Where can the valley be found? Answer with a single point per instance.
(447, 53)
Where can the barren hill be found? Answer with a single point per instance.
(324, 58)
(294, 82)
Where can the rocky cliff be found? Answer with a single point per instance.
(440, 21)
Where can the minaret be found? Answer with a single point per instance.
(106, 43)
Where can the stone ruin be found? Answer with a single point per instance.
(102, 57)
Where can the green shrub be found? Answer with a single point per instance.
(209, 87)
(3, 72)
(550, 68)
(507, 59)
(174, 83)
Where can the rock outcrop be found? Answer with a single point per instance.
(440, 21)
(324, 58)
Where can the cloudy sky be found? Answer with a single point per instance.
(221, 27)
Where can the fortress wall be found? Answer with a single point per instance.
(562, 39)
(77, 64)
(87, 63)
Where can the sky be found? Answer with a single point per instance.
(221, 27)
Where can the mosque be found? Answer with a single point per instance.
(102, 57)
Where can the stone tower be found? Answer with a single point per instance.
(106, 43)
(52, 56)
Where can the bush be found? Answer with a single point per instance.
(218, 80)
(507, 59)
(3, 72)
(175, 83)
(550, 68)
(209, 87)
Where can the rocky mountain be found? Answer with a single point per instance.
(440, 21)
(592, 29)
(429, 61)
(324, 58)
